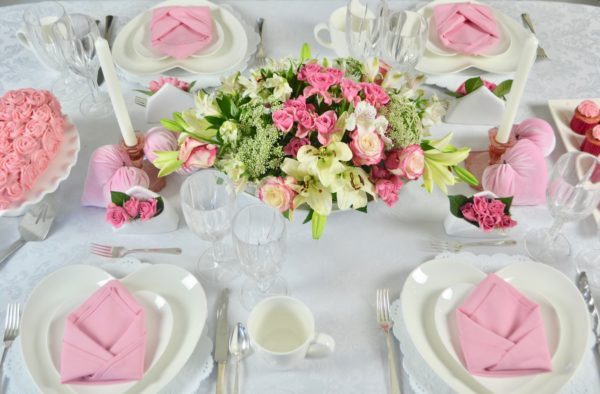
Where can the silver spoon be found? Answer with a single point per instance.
(239, 345)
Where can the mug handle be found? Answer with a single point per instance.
(22, 37)
(318, 29)
(321, 346)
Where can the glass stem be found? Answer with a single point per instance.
(264, 283)
(94, 89)
(555, 229)
(218, 251)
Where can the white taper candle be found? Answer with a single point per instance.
(516, 92)
(114, 91)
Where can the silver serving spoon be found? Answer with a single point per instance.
(239, 345)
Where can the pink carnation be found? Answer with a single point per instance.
(350, 90)
(159, 83)
(387, 190)
(306, 122)
(292, 148)
(147, 209)
(296, 104)
(116, 215)
(307, 70)
(325, 125)
(132, 206)
(375, 95)
(283, 119)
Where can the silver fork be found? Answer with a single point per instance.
(11, 332)
(120, 251)
(455, 246)
(383, 319)
(261, 55)
(141, 101)
(541, 53)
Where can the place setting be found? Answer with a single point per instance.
(202, 217)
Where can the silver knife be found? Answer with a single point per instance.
(584, 287)
(222, 340)
(108, 23)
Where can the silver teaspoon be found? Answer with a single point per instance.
(239, 345)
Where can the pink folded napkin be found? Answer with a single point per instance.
(181, 31)
(104, 339)
(466, 28)
(501, 332)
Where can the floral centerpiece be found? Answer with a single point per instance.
(316, 133)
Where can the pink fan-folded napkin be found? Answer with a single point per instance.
(501, 332)
(181, 31)
(466, 28)
(104, 339)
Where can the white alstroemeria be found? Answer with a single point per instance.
(310, 190)
(324, 162)
(351, 188)
(434, 112)
(281, 64)
(393, 80)
(235, 171)
(281, 87)
(230, 84)
(251, 86)
(229, 131)
(206, 105)
(365, 120)
(370, 68)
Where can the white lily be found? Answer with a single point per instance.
(351, 188)
(206, 105)
(365, 120)
(251, 87)
(434, 112)
(281, 87)
(310, 190)
(324, 162)
(370, 68)
(230, 85)
(198, 126)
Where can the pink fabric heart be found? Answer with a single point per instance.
(537, 131)
(522, 173)
(466, 28)
(181, 31)
(501, 332)
(104, 339)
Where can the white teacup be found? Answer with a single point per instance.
(282, 331)
(336, 27)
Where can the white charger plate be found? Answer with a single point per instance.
(562, 111)
(159, 324)
(227, 57)
(177, 286)
(58, 170)
(432, 63)
(142, 41)
(445, 320)
(426, 282)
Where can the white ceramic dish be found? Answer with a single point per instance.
(445, 321)
(142, 42)
(562, 111)
(432, 63)
(58, 170)
(177, 286)
(231, 53)
(159, 324)
(427, 281)
(434, 45)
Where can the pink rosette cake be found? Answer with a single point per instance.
(586, 116)
(591, 143)
(31, 131)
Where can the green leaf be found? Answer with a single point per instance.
(465, 175)
(305, 52)
(456, 202)
(453, 94)
(118, 198)
(167, 162)
(473, 84)
(507, 203)
(146, 92)
(191, 86)
(170, 168)
(179, 119)
(318, 225)
(216, 121)
(160, 206)
(362, 209)
(308, 217)
(286, 214)
(171, 125)
(227, 106)
(503, 88)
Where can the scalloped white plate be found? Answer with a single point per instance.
(58, 170)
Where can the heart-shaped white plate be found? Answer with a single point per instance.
(179, 288)
(445, 321)
(424, 285)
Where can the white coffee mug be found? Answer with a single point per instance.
(336, 27)
(282, 331)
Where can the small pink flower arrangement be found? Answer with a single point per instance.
(155, 85)
(125, 208)
(484, 212)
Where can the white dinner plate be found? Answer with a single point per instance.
(142, 41)
(231, 53)
(434, 44)
(445, 321)
(58, 170)
(425, 284)
(178, 287)
(432, 63)
(562, 111)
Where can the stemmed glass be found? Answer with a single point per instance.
(364, 26)
(572, 194)
(259, 237)
(75, 37)
(208, 204)
(403, 39)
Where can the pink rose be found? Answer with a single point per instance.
(507, 222)
(197, 154)
(336, 73)
(14, 129)
(480, 206)
(468, 212)
(25, 144)
(5, 144)
(307, 70)
(159, 83)
(296, 104)
(12, 162)
(321, 81)
(283, 120)
(488, 223)
(22, 113)
(116, 215)
(367, 148)
(325, 125)
(5, 111)
(291, 149)
(42, 113)
(148, 209)
(132, 206)
(306, 122)
(14, 191)
(462, 90)
(35, 129)
(350, 90)
(36, 98)
(276, 192)
(408, 162)
(15, 97)
(588, 108)
(40, 160)
(496, 207)
(387, 190)
(375, 95)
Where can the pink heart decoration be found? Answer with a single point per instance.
(538, 131)
(158, 139)
(522, 174)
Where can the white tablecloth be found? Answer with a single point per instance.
(336, 276)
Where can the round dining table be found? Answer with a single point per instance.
(338, 275)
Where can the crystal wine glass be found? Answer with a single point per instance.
(208, 204)
(259, 237)
(572, 194)
(75, 37)
(364, 25)
(403, 39)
